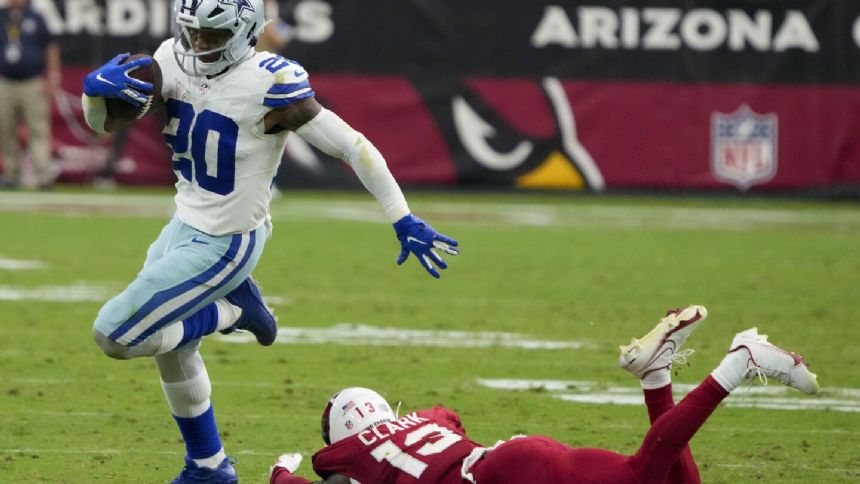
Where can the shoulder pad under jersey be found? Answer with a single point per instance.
(290, 81)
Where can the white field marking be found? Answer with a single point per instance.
(744, 429)
(502, 384)
(74, 293)
(679, 388)
(278, 300)
(768, 397)
(628, 427)
(583, 215)
(594, 215)
(775, 404)
(89, 203)
(588, 216)
(40, 381)
(75, 414)
(20, 264)
(73, 381)
(346, 334)
(81, 292)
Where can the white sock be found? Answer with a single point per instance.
(212, 462)
(656, 379)
(189, 398)
(730, 372)
(227, 314)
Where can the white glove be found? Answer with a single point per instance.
(289, 462)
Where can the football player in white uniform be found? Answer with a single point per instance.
(229, 109)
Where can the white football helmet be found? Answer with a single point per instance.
(353, 410)
(244, 18)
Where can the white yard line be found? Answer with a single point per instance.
(20, 265)
(586, 215)
(838, 399)
(731, 402)
(745, 429)
(346, 334)
(80, 292)
(72, 414)
(74, 293)
(773, 397)
(610, 427)
(678, 388)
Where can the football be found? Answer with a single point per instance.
(125, 112)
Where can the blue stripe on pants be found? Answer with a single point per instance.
(165, 296)
(177, 313)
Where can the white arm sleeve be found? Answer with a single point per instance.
(95, 112)
(337, 139)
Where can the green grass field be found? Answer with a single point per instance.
(585, 273)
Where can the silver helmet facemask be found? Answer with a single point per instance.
(243, 18)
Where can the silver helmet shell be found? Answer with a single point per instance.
(245, 19)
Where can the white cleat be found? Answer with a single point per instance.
(767, 360)
(660, 348)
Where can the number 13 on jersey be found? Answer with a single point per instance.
(438, 439)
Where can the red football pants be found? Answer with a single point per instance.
(541, 459)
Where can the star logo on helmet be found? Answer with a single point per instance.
(241, 5)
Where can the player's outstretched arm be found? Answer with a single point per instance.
(112, 80)
(332, 135)
(287, 464)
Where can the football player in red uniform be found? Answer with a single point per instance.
(367, 443)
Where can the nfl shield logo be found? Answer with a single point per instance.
(743, 147)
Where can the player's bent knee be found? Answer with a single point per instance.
(116, 350)
(109, 347)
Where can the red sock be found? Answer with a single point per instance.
(685, 471)
(658, 401)
(665, 442)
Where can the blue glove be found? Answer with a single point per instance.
(418, 237)
(112, 80)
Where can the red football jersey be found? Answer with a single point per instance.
(423, 447)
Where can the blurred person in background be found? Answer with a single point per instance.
(27, 50)
(275, 37)
(277, 33)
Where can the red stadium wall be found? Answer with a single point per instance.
(748, 96)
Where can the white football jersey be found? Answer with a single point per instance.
(224, 163)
